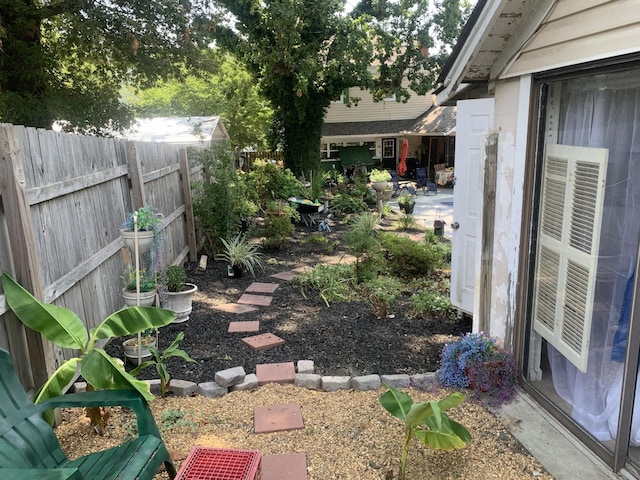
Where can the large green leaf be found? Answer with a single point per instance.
(451, 401)
(103, 372)
(132, 320)
(439, 440)
(396, 403)
(55, 385)
(419, 414)
(60, 325)
(457, 428)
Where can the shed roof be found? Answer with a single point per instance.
(190, 131)
(435, 121)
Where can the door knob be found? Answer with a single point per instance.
(455, 225)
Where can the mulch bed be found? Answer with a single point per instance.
(345, 338)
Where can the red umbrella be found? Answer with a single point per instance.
(402, 166)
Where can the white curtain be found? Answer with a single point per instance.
(604, 111)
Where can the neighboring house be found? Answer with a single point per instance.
(383, 126)
(547, 204)
(199, 132)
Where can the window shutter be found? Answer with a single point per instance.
(570, 218)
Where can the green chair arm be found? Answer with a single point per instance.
(128, 398)
(40, 473)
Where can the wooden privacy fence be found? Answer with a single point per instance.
(63, 199)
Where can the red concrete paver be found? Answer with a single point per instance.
(275, 373)
(261, 287)
(260, 300)
(286, 276)
(263, 341)
(287, 466)
(243, 327)
(234, 308)
(277, 418)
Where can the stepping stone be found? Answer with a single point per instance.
(286, 276)
(277, 418)
(275, 373)
(260, 300)
(260, 287)
(263, 341)
(234, 308)
(288, 466)
(243, 327)
(304, 269)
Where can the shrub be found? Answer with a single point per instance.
(222, 200)
(427, 304)
(381, 293)
(317, 242)
(348, 204)
(406, 221)
(275, 231)
(334, 283)
(364, 245)
(407, 258)
(272, 182)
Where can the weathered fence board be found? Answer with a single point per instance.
(63, 199)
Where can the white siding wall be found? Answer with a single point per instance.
(370, 111)
(579, 31)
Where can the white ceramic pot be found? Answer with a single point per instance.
(130, 348)
(146, 298)
(180, 302)
(145, 239)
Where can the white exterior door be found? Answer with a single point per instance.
(474, 118)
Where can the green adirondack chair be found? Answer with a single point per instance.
(29, 448)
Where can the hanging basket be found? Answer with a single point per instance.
(145, 239)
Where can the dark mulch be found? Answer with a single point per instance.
(345, 338)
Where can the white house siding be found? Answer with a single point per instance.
(510, 121)
(368, 111)
(578, 31)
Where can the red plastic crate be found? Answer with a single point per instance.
(221, 464)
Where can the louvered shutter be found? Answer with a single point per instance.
(570, 217)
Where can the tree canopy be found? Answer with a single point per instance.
(226, 89)
(305, 53)
(67, 59)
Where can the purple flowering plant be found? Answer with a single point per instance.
(477, 361)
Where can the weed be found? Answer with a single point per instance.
(171, 419)
(381, 292)
(428, 304)
(334, 283)
(406, 221)
(364, 245)
(407, 258)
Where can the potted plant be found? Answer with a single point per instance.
(148, 288)
(379, 179)
(145, 340)
(406, 202)
(148, 223)
(177, 294)
(477, 361)
(240, 255)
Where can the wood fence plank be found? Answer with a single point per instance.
(188, 205)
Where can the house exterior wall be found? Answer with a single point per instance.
(578, 31)
(367, 110)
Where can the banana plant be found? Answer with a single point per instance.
(425, 421)
(63, 327)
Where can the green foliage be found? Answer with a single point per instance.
(426, 421)
(333, 283)
(276, 230)
(272, 182)
(426, 304)
(381, 293)
(160, 361)
(364, 245)
(348, 204)
(407, 258)
(147, 217)
(68, 60)
(171, 419)
(222, 200)
(240, 252)
(379, 176)
(318, 242)
(406, 221)
(63, 327)
(174, 278)
(148, 281)
(224, 88)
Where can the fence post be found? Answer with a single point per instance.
(188, 205)
(135, 174)
(15, 201)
